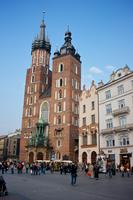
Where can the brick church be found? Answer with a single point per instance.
(50, 111)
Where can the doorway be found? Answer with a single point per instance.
(125, 159)
(31, 157)
(39, 156)
(84, 157)
(93, 157)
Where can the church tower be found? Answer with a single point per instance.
(66, 86)
(38, 80)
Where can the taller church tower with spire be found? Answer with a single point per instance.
(50, 111)
(37, 88)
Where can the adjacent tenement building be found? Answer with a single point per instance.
(88, 125)
(3, 147)
(13, 145)
(116, 116)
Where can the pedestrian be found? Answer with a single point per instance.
(31, 168)
(91, 171)
(132, 170)
(3, 168)
(128, 172)
(12, 167)
(73, 172)
(52, 167)
(0, 166)
(109, 169)
(27, 167)
(122, 170)
(86, 168)
(96, 171)
(61, 169)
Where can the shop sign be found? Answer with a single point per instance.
(109, 151)
(124, 150)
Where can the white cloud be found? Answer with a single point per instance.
(95, 70)
(110, 67)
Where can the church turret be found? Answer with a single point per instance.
(41, 42)
(67, 47)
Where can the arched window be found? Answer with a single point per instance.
(31, 100)
(61, 67)
(76, 69)
(124, 141)
(60, 94)
(33, 69)
(58, 143)
(59, 119)
(41, 57)
(61, 82)
(59, 107)
(44, 112)
(84, 157)
(30, 111)
(93, 157)
(33, 79)
(34, 59)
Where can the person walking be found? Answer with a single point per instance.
(12, 167)
(27, 167)
(109, 169)
(73, 172)
(96, 171)
(122, 170)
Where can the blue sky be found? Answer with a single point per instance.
(102, 32)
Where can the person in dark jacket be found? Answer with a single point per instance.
(3, 189)
(96, 171)
(73, 172)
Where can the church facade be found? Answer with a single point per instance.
(51, 101)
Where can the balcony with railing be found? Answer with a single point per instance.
(119, 111)
(127, 127)
(107, 131)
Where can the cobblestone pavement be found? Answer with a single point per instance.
(58, 187)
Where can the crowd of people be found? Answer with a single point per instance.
(91, 170)
(35, 168)
(38, 168)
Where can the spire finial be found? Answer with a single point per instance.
(42, 29)
(43, 14)
(67, 28)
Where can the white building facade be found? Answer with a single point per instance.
(116, 116)
(88, 125)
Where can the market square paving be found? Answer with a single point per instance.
(55, 186)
